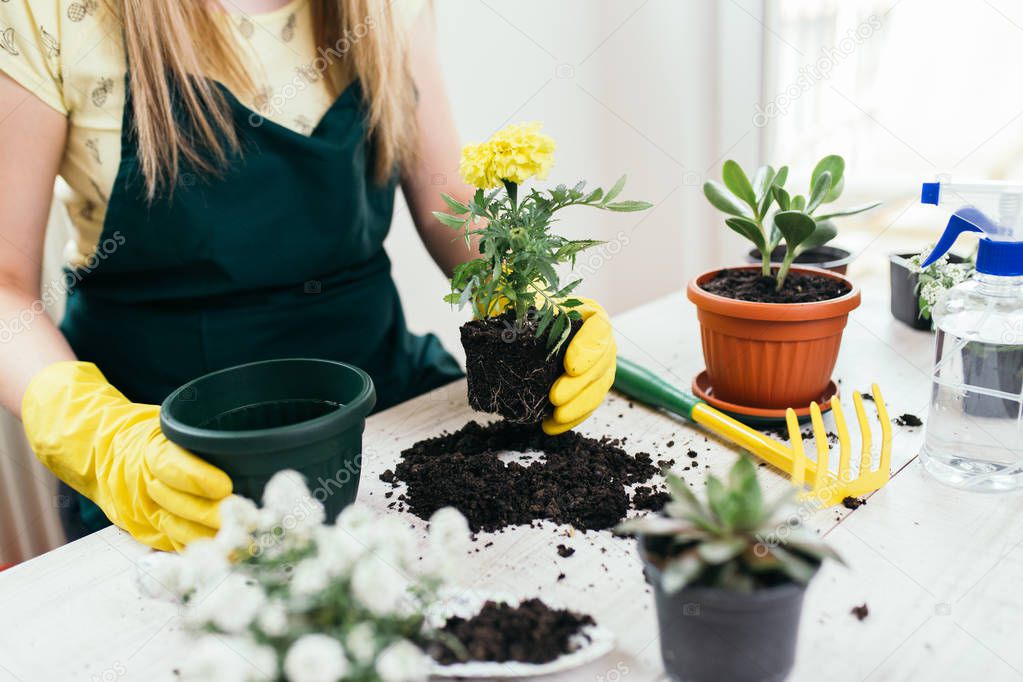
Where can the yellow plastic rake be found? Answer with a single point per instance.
(814, 478)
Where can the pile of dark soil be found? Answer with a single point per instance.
(908, 419)
(573, 479)
(507, 369)
(531, 632)
(750, 285)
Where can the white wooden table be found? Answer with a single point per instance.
(939, 570)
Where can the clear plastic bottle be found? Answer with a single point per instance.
(974, 432)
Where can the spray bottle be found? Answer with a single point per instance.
(974, 431)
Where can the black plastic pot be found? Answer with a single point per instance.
(711, 634)
(824, 257)
(905, 302)
(257, 419)
(995, 368)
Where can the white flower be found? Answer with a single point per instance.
(354, 517)
(230, 605)
(337, 549)
(315, 658)
(403, 661)
(449, 529)
(310, 578)
(286, 491)
(378, 586)
(361, 643)
(273, 619)
(393, 540)
(220, 658)
(205, 564)
(237, 511)
(159, 576)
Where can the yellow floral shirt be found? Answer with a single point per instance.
(70, 54)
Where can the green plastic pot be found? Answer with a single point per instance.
(254, 420)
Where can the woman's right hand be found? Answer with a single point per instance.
(112, 451)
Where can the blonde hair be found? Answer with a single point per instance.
(175, 46)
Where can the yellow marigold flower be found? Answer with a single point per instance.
(515, 153)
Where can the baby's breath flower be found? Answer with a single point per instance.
(315, 658)
(403, 661)
(361, 643)
(378, 586)
(219, 658)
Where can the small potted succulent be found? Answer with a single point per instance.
(771, 333)
(524, 314)
(728, 578)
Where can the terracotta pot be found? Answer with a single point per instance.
(771, 355)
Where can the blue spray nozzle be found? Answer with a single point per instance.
(956, 226)
(994, 210)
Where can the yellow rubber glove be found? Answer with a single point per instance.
(589, 371)
(112, 451)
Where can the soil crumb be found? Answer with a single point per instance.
(750, 285)
(851, 502)
(573, 479)
(564, 551)
(531, 632)
(860, 611)
(649, 498)
(908, 419)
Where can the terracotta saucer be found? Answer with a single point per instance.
(758, 416)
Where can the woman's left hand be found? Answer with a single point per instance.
(589, 371)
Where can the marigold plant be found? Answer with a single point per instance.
(516, 272)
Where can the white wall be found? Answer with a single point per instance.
(624, 86)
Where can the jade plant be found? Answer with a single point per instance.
(765, 213)
(735, 541)
(517, 270)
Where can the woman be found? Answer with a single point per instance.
(232, 166)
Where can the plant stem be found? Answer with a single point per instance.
(783, 271)
(765, 253)
(513, 193)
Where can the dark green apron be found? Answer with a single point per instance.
(280, 257)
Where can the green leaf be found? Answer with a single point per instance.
(797, 568)
(820, 189)
(456, 206)
(615, 190)
(834, 164)
(449, 220)
(762, 180)
(452, 298)
(824, 233)
(594, 196)
(848, 211)
(722, 200)
(681, 492)
(680, 572)
(782, 197)
(628, 206)
(748, 229)
(737, 182)
(781, 176)
(720, 551)
(798, 203)
(719, 501)
(794, 226)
